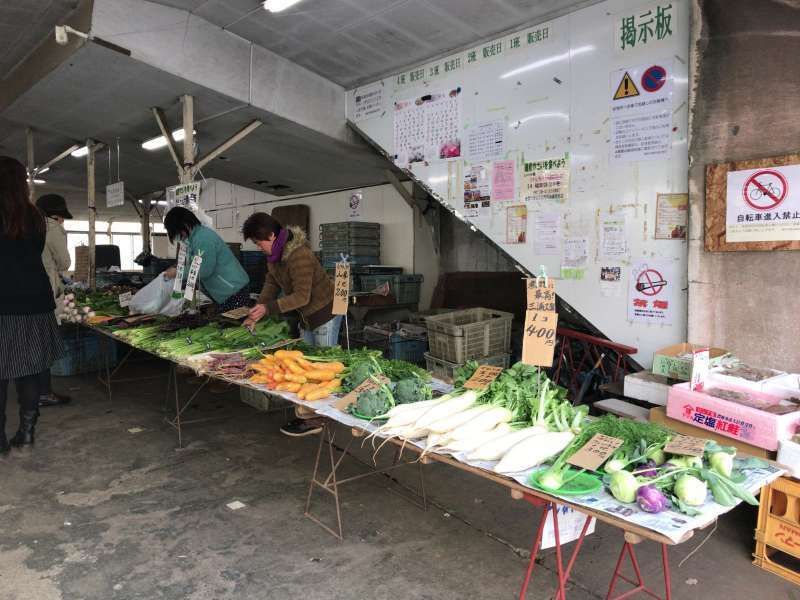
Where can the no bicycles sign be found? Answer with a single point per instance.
(763, 205)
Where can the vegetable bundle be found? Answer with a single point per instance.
(292, 371)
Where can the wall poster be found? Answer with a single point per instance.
(428, 127)
(477, 191)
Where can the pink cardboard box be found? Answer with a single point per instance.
(745, 423)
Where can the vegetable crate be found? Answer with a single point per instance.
(445, 370)
(330, 259)
(406, 342)
(83, 353)
(778, 532)
(469, 334)
(405, 288)
(349, 230)
(354, 246)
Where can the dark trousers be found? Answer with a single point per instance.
(27, 394)
(44, 383)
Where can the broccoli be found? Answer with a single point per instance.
(412, 389)
(360, 372)
(372, 403)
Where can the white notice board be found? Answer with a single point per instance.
(594, 103)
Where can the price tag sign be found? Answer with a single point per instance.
(341, 288)
(595, 452)
(369, 384)
(700, 362)
(686, 445)
(125, 299)
(177, 288)
(483, 377)
(541, 322)
(237, 313)
(191, 281)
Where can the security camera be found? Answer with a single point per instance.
(61, 35)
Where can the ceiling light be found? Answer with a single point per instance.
(40, 171)
(37, 181)
(161, 142)
(547, 61)
(156, 202)
(80, 152)
(278, 5)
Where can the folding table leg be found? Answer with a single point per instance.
(639, 585)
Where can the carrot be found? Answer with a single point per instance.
(293, 387)
(282, 387)
(317, 394)
(307, 366)
(334, 366)
(288, 354)
(278, 376)
(333, 384)
(293, 366)
(296, 378)
(320, 375)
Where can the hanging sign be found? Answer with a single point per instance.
(341, 288)
(541, 322)
(115, 194)
(191, 281)
(763, 205)
(185, 195)
(125, 299)
(180, 267)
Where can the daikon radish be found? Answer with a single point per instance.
(402, 408)
(450, 407)
(458, 419)
(483, 422)
(482, 437)
(496, 448)
(533, 451)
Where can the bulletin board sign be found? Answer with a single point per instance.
(753, 205)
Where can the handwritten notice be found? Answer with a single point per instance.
(547, 234)
(686, 445)
(177, 287)
(483, 377)
(541, 323)
(503, 180)
(672, 216)
(125, 299)
(595, 452)
(191, 281)
(341, 288)
(368, 384)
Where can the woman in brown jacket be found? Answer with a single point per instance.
(307, 289)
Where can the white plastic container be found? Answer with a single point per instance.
(786, 385)
(789, 456)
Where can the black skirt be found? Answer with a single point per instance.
(29, 344)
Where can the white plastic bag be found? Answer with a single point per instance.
(173, 307)
(153, 297)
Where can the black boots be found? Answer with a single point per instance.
(27, 425)
(53, 399)
(4, 445)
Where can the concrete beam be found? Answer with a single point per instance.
(190, 47)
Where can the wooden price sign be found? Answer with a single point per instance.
(125, 299)
(237, 313)
(541, 322)
(595, 452)
(482, 377)
(368, 384)
(686, 445)
(341, 288)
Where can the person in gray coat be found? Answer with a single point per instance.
(56, 260)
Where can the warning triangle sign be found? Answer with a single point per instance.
(626, 88)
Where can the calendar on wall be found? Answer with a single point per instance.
(428, 127)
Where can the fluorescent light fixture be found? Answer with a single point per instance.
(80, 152)
(158, 202)
(161, 142)
(37, 181)
(278, 5)
(547, 61)
(41, 171)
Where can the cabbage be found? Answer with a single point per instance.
(650, 499)
(623, 486)
(722, 463)
(691, 490)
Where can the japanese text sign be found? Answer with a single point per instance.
(541, 322)
(700, 361)
(686, 446)
(763, 205)
(368, 384)
(180, 267)
(595, 452)
(341, 288)
(643, 27)
(483, 377)
(191, 281)
(652, 292)
(125, 299)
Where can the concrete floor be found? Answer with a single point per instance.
(98, 512)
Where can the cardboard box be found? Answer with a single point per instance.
(647, 387)
(752, 424)
(669, 362)
(789, 457)
(658, 414)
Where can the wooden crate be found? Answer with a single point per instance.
(778, 532)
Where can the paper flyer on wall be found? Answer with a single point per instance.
(504, 180)
(672, 216)
(547, 233)
(611, 281)
(517, 224)
(546, 180)
(574, 257)
(485, 141)
(368, 102)
(763, 205)
(652, 292)
(428, 127)
(477, 191)
(613, 236)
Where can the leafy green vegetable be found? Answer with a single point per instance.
(464, 372)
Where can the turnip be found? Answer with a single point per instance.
(496, 448)
(533, 451)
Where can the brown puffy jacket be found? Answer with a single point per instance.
(306, 286)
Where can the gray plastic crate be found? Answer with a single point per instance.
(444, 369)
(473, 333)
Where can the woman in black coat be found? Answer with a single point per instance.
(30, 341)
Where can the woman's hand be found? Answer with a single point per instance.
(171, 273)
(255, 315)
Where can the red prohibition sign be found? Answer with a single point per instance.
(650, 282)
(764, 190)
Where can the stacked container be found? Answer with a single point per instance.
(361, 242)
